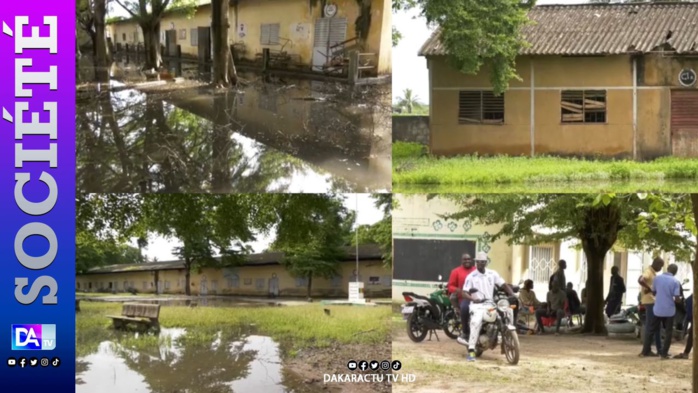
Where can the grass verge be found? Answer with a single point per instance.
(301, 326)
(414, 170)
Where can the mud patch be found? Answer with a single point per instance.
(311, 365)
(566, 363)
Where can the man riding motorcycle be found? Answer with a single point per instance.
(479, 288)
(455, 287)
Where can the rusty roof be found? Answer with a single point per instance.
(366, 252)
(603, 29)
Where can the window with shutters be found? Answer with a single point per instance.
(583, 106)
(480, 107)
(194, 37)
(270, 34)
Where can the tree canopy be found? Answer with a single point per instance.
(477, 34)
(215, 230)
(636, 221)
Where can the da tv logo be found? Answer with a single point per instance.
(33, 337)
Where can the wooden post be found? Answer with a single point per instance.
(266, 54)
(179, 51)
(353, 66)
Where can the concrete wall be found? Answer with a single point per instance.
(657, 76)
(411, 129)
(296, 21)
(245, 281)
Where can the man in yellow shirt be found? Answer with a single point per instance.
(647, 300)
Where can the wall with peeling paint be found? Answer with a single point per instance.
(657, 76)
(296, 21)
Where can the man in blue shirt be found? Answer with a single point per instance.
(667, 291)
(689, 340)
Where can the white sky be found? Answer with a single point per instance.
(161, 248)
(409, 69)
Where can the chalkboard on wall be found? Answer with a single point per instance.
(425, 259)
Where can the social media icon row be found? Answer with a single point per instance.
(374, 365)
(33, 362)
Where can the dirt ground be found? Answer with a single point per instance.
(566, 363)
(311, 365)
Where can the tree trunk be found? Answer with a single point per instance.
(221, 149)
(157, 282)
(151, 40)
(310, 285)
(694, 201)
(224, 73)
(100, 41)
(187, 277)
(598, 234)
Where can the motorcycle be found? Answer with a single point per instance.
(679, 318)
(498, 325)
(426, 314)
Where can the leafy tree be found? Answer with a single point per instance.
(598, 221)
(148, 14)
(315, 248)
(408, 101)
(477, 34)
(91, 252)
(205, 225)
(396, 36)
(90, 16)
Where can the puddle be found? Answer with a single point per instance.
(178, 364)
(288, 136)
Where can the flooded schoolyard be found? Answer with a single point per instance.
(234, 346)
(276, 135)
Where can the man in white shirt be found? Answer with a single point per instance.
(484, 281)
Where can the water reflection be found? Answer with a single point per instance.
(287, 137)
(177, 362)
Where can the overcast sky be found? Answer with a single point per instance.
(161, 248)
(410, 70)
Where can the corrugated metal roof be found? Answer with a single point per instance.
(603, 29)
(366, 251)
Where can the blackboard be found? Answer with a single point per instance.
(424, 260)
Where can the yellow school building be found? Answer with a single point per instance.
(609, 80)
(307, 31)
(260, 275)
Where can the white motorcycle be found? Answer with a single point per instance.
(498, 327)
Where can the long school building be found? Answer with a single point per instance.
(611, 80)
(260, 275)
(305, 30)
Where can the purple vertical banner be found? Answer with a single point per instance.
(37, 196)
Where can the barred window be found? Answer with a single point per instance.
(480, 107)
(583, 106)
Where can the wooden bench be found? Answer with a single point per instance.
(145, 316)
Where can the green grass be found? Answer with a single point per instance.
(300, 326)
(417, 172)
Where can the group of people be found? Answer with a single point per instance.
(660, 295)
(471, 284)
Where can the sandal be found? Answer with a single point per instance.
(681, 356)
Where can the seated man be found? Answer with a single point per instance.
(527, 298)
(555, 307)
(573, 301)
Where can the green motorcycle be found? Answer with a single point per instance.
(426, 314)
